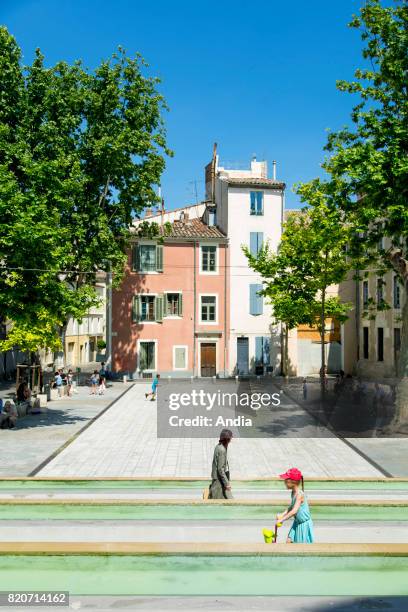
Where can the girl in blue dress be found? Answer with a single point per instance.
(302, 526)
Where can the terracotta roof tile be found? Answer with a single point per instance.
(256, 182)
(189, 228)
(194, 228)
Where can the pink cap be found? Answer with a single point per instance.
(292, 474)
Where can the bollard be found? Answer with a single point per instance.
(124, 378)
(237, 378)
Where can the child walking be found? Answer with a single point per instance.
(302, 526)
(94, 382)
(152, 393)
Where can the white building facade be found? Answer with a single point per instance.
(249, 210)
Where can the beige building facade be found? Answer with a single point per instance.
(81, 337)
(379, 329)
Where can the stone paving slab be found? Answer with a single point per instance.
(36, 437)
(390, 453)
(123, 442)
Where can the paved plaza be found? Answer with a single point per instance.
(36, 437)
(123, 442)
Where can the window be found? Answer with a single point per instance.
(256, 202)
(380, 292)
(255, 300)
(179, 357)
(397, 344)
(147, 356)
(397, 339)
(147, 308)
(365, 342)
(380, 343)
(255, 242)
(174, 306)
(208, 308)
(365, 294)
(208, 258)
(396, 293)
(147, 258)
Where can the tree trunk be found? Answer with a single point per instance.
(323, 352)
(286, 372)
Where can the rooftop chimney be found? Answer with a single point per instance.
(274, 170)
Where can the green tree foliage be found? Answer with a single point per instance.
(80, 154)
(310, 258)
(368, 161)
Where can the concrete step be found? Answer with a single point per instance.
(219, 531)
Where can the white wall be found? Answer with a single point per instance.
(233, 213)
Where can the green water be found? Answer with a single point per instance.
(189, 512)
(207, 575)
(81, 485)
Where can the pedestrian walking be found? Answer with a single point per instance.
(70, 379)
(153, 392)
(220, 487)
(304, 388)
(102, 379)
(94, 382)
(58, 383)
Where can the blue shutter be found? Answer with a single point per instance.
(255, 300)
(253, 243)
(258, 350)
(259, 299)
(252, 299)
(266, 351)
(252, 206)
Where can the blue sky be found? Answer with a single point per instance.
(257, 78)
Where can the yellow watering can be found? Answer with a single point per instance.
(270, 536)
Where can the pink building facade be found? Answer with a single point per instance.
(170, 314)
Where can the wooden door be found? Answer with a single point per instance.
(208, 359)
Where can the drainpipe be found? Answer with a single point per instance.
(357, 276)
(225, 309)
(109, 319)
(194, 307)
(284, 333)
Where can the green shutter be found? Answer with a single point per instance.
(180, 305)
(143, 356)
(159, 258)
(136, 258)
(158, 303)
(136, 309)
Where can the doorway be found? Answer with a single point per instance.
(208, 359)
(242, 356)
